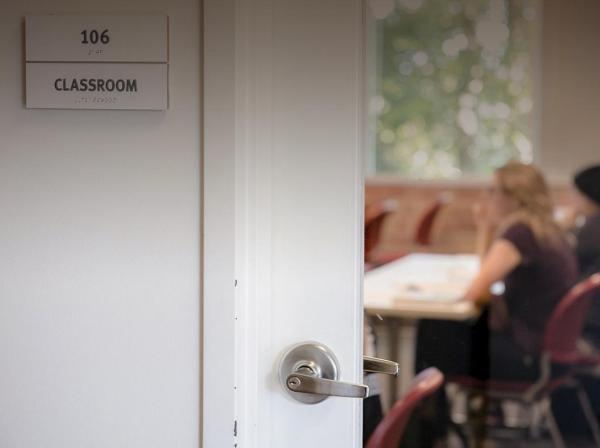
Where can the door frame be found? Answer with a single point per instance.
(218, 227)
(235, 235)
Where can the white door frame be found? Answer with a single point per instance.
(237, 151)
(218, 324)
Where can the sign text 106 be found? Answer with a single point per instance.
(94, 37)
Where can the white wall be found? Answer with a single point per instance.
(99, 255)
(570, 94)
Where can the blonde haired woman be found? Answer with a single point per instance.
(521, 246)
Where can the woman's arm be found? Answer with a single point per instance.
(483, 240)
(500, 260)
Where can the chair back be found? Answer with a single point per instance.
(565, 326)
(389, 432)
(375, 216)
(426, 221)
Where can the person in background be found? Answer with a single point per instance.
(587, 246)
(582, 224)
(521, 246)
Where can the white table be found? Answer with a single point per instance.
(418, 286)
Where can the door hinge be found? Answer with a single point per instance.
(235, 428)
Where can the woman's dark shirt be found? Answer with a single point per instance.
(532, 290)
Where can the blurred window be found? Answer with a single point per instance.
(451, 90)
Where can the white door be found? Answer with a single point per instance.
(283, 215)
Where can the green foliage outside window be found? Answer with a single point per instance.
(454, 88)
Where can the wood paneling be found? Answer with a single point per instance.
(454, 228)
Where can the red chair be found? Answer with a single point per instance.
(375, 216)
(427, 220)
(423, 230)
(559, 349)
(389, 432)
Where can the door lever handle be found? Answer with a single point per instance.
(309, 373)
(378, 365)
(300, 382)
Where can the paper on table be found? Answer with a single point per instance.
(445, 281)
(421, 278)
(435, 292)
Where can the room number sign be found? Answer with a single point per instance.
(73, 38)
(97, 61)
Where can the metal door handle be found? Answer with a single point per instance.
(299, 382)
(378, 365)
(309, 373)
